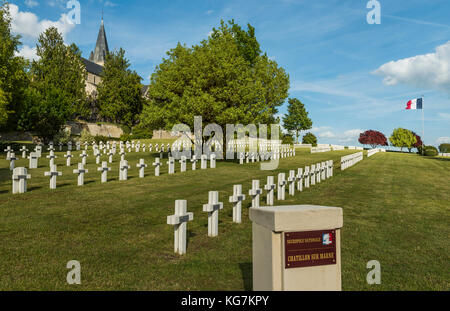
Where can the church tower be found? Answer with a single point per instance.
(101, 48)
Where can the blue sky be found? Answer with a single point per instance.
(351, 76)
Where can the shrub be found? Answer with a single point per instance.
(309, 138)
(287, 139)
(86, 137)
(444, 148)
(141, 133)
(431, 151)
(64, 136)
(126, 129)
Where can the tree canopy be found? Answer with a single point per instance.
(373, 138)
(310, 138)
(119, 93)
(57, 89)
(402, 138)
(297, 118)
(225, 79)
(13, 78)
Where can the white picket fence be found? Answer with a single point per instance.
(350, 160)
(444, 154)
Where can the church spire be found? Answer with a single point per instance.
(101, 48)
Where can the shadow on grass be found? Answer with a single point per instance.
(34, 188)
(247, 275)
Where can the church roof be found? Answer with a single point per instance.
(101, 48)
(92, 67)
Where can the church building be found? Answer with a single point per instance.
(94, 66)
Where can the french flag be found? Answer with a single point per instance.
(415, 104)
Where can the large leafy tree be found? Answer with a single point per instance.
(419, 143)
(119, 93)
(225, 79)
(57, 91)
(402, 138)
(310, 139)
(13, 78)
(297, 118)
(373, 138)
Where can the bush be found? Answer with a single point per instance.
(444, 148)
(310, 139)
(287, 140)
(431, 151)
(142, 133)
(126, 137)
(86, 137)
(126, 129)
(14, 146)
(63, 136)
(104, 139)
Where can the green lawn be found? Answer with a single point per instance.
(396, 211)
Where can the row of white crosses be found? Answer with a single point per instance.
(350, 160)
(313, 174)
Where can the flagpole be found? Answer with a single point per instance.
(423, 124)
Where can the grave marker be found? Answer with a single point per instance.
(179, 220)
(19, 180)
(212, 208)
(255, 192)
(141, 166)
(281, 187)
(237, 198)
(80, 171)
(270, 187)
(53, 174)
(104, 169)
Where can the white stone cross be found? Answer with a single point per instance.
(307, 177)
(8, 151)
(212, 160)
(80, 171)
(24, 152)
(324, 171)
(123, 170)
(179, 220)
(241, 158)
(281, 192)
(313, 174)
(122, 154)
(194, 161)
(78, 145)
(330, 168)
(270, 187)
(33, 160)
(68, 156)
(12, 160)
(19, 180)
(171, 164)
(53, 174)
(255, 192)
(183, 164)
(141, 166)
(104, 169)
(212, 208)
(52, 158)
(98, 156)
(318, 173)
(83, 156)
(69, 146)
(292, 179)
(237, 199)
(300, 179)
(157, 165)
(204, 162)
(38, 150)
(110, 156)
(60, 146)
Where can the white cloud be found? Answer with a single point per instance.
(443, 140)
(343, 137)
(28, 24)
(28, 53)
(350, 135)
(31, 3)
(429, 70)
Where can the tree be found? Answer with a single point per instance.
(56, 92)
(402, 138)
(310, 139)
(225, 79)
(373, 138)
(60, 66)
(444, 148)
(297, 118)
(13, 77)
(119, 93)
(419, 144)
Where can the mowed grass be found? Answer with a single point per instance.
(396, 211)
